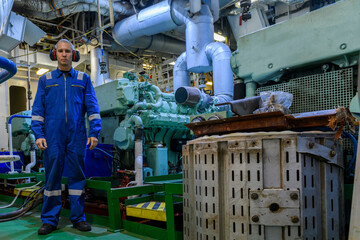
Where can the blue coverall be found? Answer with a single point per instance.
(58, 115)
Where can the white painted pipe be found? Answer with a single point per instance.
(139, 162)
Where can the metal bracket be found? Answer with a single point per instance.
(275, 207)
(309, 146)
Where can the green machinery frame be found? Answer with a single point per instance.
(168, 185)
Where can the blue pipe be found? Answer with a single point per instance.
(9, 69)
(17, 116)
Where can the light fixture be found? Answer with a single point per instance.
(237, 4)
(41, 71)
(219, 37)
(172, 63)
(209, 83)
(147, 66)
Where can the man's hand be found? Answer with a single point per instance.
(93, 141)
(41, 143)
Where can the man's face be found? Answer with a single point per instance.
(64, 54)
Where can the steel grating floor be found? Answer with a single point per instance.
(26, 227)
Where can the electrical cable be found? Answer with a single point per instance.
(18, 193)
(355, 143)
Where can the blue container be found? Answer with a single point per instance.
(97, 163)
(5, 167)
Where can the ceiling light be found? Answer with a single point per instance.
(41, 71)
(209, 83)
(219, 38)
(172, 63)
(237, 4)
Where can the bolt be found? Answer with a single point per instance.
(295, 219)
(332, 153)
(311, 145)
(254, 196)
(255, 218)
(294, 196)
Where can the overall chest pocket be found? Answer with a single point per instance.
(78, 92)
(52, 94)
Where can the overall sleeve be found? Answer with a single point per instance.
(92, 109)
(38, 111)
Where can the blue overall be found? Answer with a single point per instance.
(58, 115)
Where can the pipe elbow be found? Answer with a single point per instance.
(180, 64)
(217, 51)
(9, 69)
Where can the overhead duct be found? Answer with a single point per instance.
(53, 9)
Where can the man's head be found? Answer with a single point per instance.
(64, 54)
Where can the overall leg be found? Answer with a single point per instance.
(75, 153)
(54, 164)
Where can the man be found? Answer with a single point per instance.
(62, 99)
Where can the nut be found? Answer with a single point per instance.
(255, 218)
(254, 196)
(295, 219)
(332, 153)
(294, 196)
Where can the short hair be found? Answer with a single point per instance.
(67, 41)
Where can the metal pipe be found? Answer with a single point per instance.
(181, 74)
(32, 154)
(44, 10)
(56, 36)
(5, 10)
(220, 54)
(98, 56)
(10, 140)
(9, 69)
(137, 121)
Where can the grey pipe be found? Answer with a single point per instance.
(32, 155)
(42, 10)
(97, 55)
(181, 74)
(220, 54)
(137, 121)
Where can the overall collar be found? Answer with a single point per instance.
(58, 73)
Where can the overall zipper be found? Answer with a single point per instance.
(65, 100)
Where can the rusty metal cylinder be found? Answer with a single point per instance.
(188, 96)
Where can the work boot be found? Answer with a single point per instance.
(82, 226)
(46, 228)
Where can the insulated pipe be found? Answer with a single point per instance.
(220, 54)
(32, 155)
(9, 69)
(181, 74)
(5, 10)
(10, 141)
(199, 33)
(136, 120)
(42, 10)
(96, 57)
(155, 19)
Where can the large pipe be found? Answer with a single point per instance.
(97, 57)
(10, 142)
(220, 54)
(9, 69)
(5, 9)
(155, 19)
(32, 154)
(59, 8)
(136, 120)
(181, 74)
